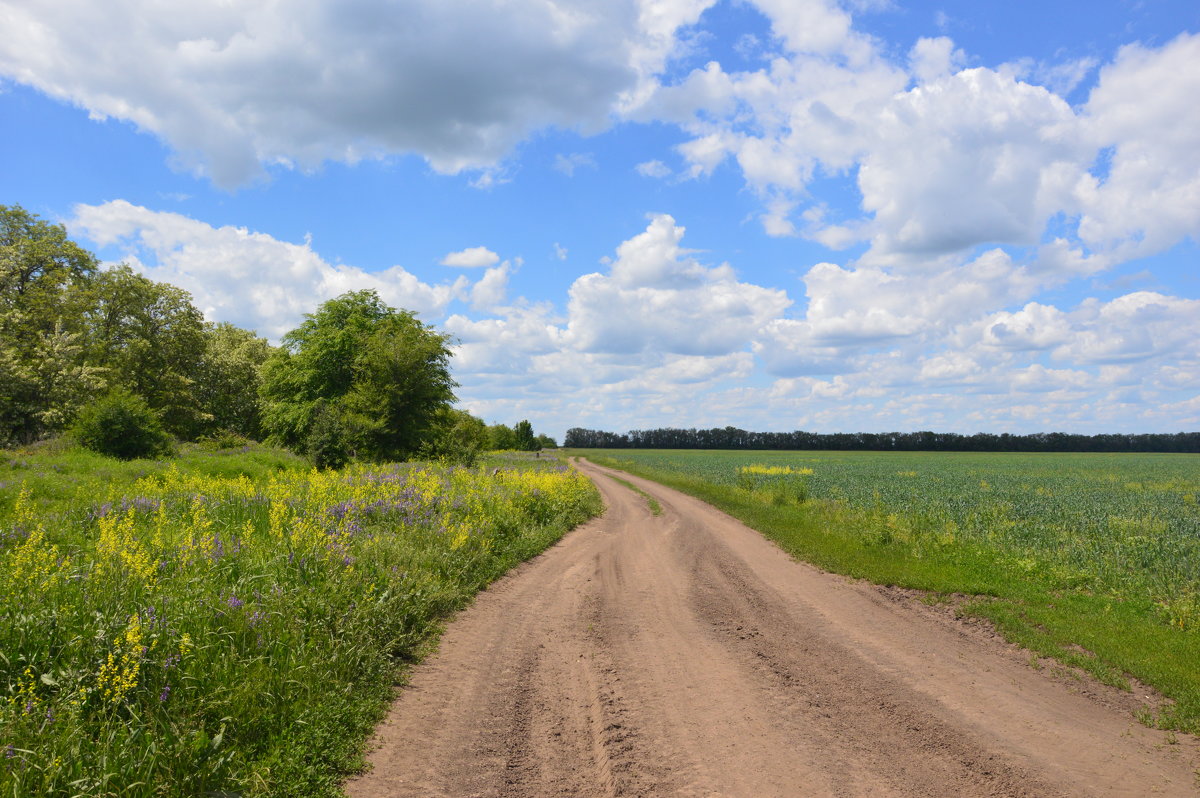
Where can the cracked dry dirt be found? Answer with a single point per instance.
(685, 655)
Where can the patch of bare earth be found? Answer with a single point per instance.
(685, 655)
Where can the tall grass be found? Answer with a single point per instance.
(231, 622)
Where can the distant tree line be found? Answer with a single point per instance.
(119, 359)
(734, 438)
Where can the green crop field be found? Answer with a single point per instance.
(1091, 558)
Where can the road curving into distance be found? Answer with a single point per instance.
(685, 655)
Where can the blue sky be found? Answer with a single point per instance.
(778, 214)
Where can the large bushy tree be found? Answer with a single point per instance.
(151, 340)
(43, 373)
(372, 374)
(227, 388)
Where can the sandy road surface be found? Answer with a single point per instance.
(684, 655)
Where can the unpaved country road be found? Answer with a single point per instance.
(685, 655)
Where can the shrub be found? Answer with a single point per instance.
(121, 425)
(328, 444)
(223, 440)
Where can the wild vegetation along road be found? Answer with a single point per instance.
(685, 655)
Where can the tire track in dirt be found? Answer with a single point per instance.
(684, 655)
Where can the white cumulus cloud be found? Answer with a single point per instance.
(471, 258)
(233, 87)
(248, 278)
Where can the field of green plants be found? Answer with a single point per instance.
(232, 622)
(1091, 558)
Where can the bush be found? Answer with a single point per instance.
(223, 440)
(121, 425)
(328, 444)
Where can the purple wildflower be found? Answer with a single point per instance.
(166, 692)
(234, 602)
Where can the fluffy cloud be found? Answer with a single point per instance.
(1144, 115)
(1132, 328)
(251, 279)
(656, 296)
(233, 87)
(660, 336)
(961, 159)
(969, 159)
(472, 257)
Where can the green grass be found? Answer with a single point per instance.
(651, 502)
(1093, 560)
(230, 622)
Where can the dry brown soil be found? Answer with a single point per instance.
(685, 655)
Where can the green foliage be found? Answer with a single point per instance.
(521, 437)
(329, 442)
(501, 437)
(384, 373)
(42, 368)
(230, 377)
(457, 437)
(121, 425)
(68, 331)
(151, 339)
(526, 441)
(234, 623)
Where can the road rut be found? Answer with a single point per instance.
(685, 655)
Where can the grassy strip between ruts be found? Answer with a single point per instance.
(232, 623)
(1107, 635)
(651, 502)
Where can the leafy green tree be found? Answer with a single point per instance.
(501, 437)
(61, 380)
(380, 372)
(458, 437)
(546, 442)
(41, 308)
(151, 339)
(230, 378)
(526, 441)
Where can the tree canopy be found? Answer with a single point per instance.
(380, 374)
(70, 332)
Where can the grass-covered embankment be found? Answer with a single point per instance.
(1093, 560)
(232, 622)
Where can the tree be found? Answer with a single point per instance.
(458, 437)
(501, 437)
(230, 377)
(41, 308)
(382, 374)
(526, 441)
(151, 339)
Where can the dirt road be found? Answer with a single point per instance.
(684, 655)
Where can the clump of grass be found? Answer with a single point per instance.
(232, 622)
(651, 502)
